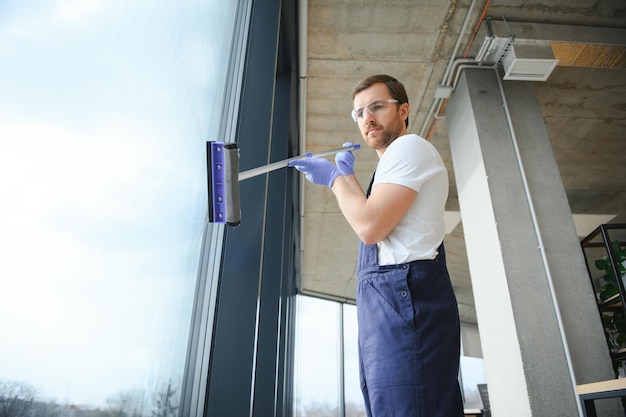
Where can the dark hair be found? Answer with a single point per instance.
(395, 88)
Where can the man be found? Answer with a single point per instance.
(406, 308)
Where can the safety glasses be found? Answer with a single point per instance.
(374, 107)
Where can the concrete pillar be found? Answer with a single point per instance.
(526, 365)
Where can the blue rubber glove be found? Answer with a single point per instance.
(345, 161)
(317, 170)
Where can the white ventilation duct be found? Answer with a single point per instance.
(522, 58)
(528, 61)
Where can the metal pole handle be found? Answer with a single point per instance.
(281, 164)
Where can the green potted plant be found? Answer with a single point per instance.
(613, 320)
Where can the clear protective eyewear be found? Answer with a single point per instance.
(374, 107)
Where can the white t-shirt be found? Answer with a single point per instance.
(414, 162)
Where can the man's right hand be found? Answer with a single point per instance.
(345, 161)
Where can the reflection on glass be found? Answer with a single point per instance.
(105, 108)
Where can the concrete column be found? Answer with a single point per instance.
(526, 365)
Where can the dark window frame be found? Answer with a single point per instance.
(240, 356)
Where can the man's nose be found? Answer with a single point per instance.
(367, 116)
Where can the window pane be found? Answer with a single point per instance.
(353, 396)
(104, 113)
(472, 374)
(317, 358)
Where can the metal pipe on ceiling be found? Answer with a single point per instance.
(438, 101)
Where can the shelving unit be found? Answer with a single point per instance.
(605, 256)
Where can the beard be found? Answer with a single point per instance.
(385, 136)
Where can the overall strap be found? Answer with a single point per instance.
(368, 256)
(369, 187)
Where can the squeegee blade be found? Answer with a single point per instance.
(231, 184)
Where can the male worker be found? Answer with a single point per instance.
(407, 313)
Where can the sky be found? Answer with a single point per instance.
(105, 108)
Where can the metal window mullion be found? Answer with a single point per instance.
(341, 371)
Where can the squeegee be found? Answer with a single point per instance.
(224, 176)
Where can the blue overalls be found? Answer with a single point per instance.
(409, 339)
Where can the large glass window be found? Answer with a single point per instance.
(105, 107)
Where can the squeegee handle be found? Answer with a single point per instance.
(281, 164)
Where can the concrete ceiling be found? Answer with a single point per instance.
(583, 103)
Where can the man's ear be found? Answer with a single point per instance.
(404, 110)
